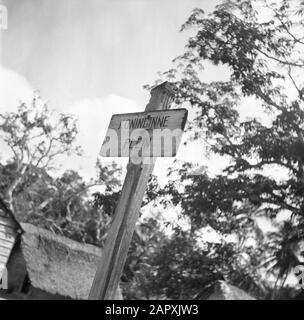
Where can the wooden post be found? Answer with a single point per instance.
(119, 237)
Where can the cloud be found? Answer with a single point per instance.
(93, 120)
(13, 89)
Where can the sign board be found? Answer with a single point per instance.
(145, 134)
(142, 136)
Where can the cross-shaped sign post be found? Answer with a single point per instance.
(142, 136)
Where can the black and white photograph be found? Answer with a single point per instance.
(151, 150)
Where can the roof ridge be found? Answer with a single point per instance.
(60, 239)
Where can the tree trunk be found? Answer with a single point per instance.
(8, 196)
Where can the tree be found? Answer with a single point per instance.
(35, 140)
(261, 44)
(62, 204)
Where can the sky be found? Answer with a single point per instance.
(91, 58)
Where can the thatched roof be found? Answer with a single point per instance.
(58, 265)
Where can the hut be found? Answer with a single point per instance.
(10, 230)
(42, 265)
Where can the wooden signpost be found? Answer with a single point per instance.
(156, 117)
(152, 134)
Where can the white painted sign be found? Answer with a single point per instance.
(145, 134)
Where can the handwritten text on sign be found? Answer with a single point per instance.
(145, 134)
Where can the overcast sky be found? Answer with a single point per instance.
(92, 58)
(75, 49)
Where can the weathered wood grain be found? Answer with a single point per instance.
(3, 259)
(7, 230)
(6, 244)
(7, 237)
(5, 251)
(2, 267)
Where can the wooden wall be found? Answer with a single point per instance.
(8, 234)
